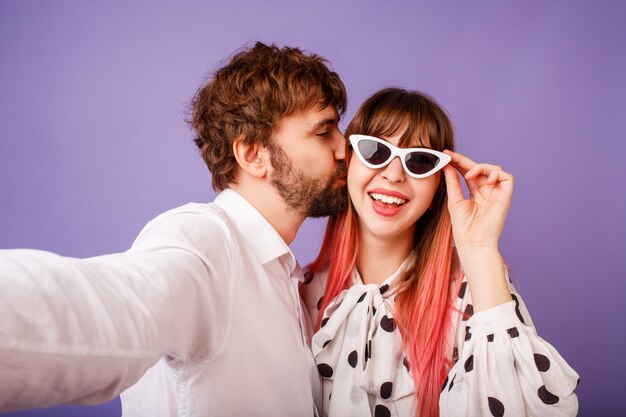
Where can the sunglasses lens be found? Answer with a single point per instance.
(373, 152)
(421, 162)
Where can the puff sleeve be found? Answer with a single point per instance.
(503, 368)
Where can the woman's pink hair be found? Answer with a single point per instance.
(424, 303)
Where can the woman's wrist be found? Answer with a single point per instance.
(484, 269)
(479, 252)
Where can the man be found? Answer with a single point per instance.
(202, 316)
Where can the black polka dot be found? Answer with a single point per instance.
(406, 364)
(388, 324)
(373, 311)
(469, 312)
(362, 297)
(369, 342)
(319, 302)
(444, 384)
(469, 363)
(451, 383)
(546, 396)
(381, 411)
(495, 407)
(517, 310)
(542, 362)
(324, 321)
(308, 277)
(468, 335)
(325, 370)
(353, 358)
(385, 390)
(326, 343)
(513, 332)
(463, 289)
(577, 382)
(490, 337)
(384, 288)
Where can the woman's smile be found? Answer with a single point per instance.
(387, 202)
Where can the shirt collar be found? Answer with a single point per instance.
(259, 234)
(389, 287)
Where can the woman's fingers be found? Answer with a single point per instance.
(482, 169)
(489, 177)
(492, 179)
(477, 175)
(453, 186)
(461, 162)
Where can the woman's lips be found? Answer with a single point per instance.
(390, 193)
(387, 202)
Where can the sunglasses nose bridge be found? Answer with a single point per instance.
(394, 153)
(393, 170)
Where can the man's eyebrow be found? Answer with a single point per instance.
(322, 123)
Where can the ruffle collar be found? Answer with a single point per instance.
(359, 336)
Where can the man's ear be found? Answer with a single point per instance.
(253, 159)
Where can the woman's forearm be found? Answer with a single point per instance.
(486, 278)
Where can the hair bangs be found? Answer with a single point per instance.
(421, 121)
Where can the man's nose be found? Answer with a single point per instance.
(340, 146)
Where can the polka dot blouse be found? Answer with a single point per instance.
(501, 366)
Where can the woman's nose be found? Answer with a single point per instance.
(394, 171)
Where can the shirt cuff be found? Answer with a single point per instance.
(498, 318)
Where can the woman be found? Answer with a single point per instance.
(407, 325)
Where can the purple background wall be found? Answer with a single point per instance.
(93, 142)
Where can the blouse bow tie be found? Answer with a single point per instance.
(359, 335)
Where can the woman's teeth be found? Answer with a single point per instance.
(387, 199)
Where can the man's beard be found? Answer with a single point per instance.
(310, 196)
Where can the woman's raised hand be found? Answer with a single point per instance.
(477, 221)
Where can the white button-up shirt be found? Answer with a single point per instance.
(201, 317)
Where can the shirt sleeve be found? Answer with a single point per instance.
(503, 368)
(83, 330)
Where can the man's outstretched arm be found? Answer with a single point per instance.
(83, 330)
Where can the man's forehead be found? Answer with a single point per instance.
(320, 116)
(309, 120)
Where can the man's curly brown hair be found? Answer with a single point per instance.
(249, 96)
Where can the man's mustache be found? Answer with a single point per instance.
(341, 171)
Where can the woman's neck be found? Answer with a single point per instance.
(378, 259)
